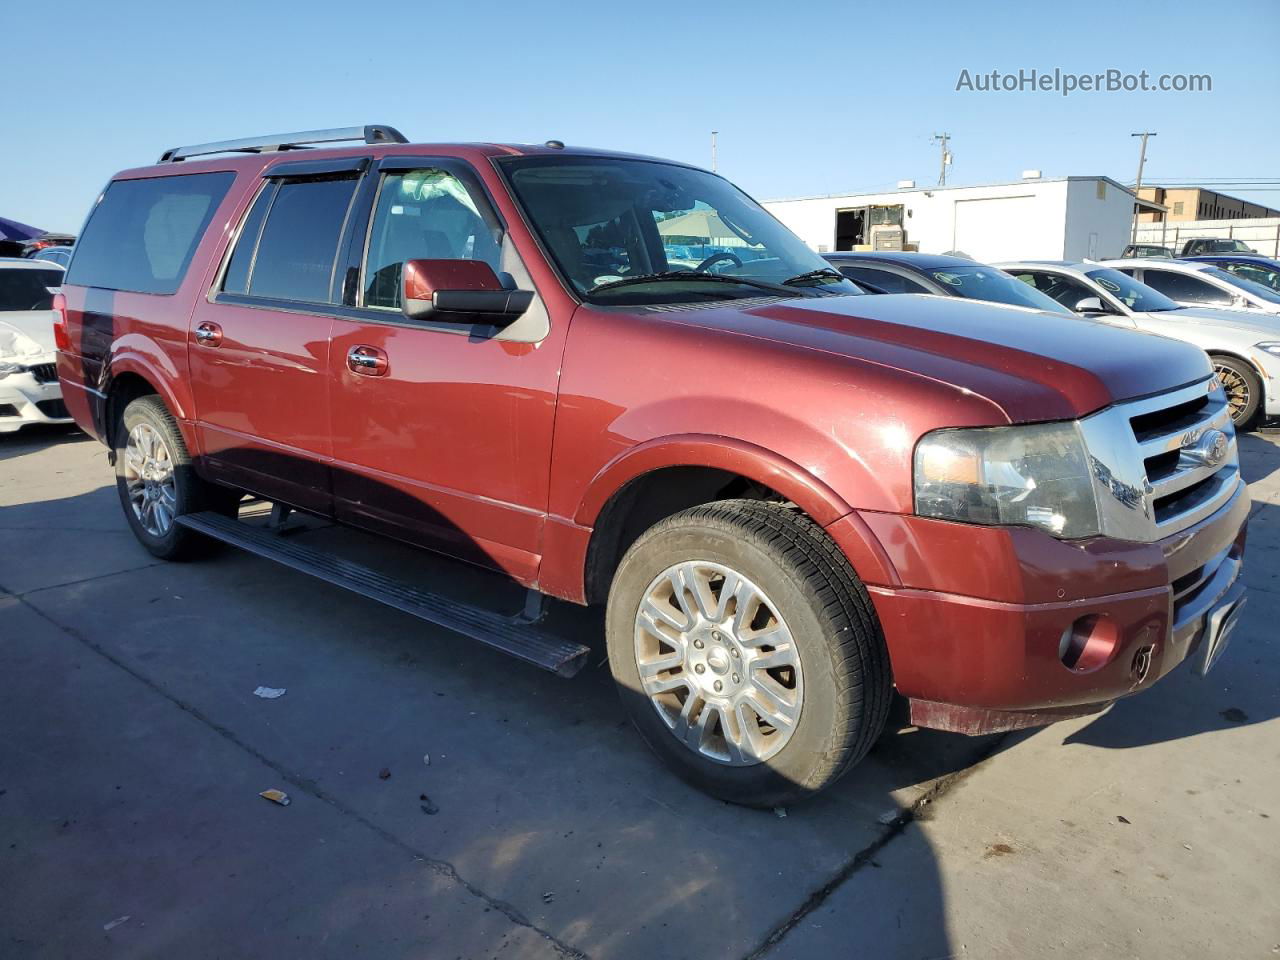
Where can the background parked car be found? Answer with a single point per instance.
(59, 255)
(1244, 346)
(941, 275)
(1146, 250)
(1263, 270)
(1200, 245)
(29, 389)
(1200, 284)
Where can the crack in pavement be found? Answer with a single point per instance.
(82, 580)
(442, 867)
(941, 787)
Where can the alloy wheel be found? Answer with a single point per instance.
(1236, 388)
(718, 663)
(149, 478)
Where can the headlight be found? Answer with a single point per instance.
(7, 368)
(1035, 475)
(1272, 347)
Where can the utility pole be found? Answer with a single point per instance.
(944, 139)
(1137, 187)
(713, 150)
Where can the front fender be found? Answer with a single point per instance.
(756, 463)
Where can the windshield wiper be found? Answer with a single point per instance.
(814, 275)
(692, 275)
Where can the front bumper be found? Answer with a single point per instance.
(25, 400)
(979, 624)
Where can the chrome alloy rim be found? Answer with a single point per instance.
(148, 476)
(1236, 388)
(718, 663)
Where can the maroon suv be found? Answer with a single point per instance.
(618, 380)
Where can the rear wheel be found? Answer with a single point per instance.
(157, 484)
(1243, 388)
(747, 653)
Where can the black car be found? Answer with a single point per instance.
(940, 275)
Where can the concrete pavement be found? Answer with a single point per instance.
(132, 751)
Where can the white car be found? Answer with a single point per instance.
(1244, 345)
(1200, 284)
(29, 389)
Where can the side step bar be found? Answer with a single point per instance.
(507, 634)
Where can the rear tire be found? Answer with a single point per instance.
(1243, 387)
(793, 695)
(156, 482)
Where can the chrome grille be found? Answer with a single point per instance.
(1153, 473)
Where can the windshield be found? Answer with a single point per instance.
(1134, 295)
(987, 283)
(615, 226)
(1258, 290)
(27, 289)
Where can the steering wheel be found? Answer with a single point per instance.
(716, 258)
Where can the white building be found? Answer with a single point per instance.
(1059, 218)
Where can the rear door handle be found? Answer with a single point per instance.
(208, 334)
(367, 361)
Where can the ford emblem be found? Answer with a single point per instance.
(1209, 449)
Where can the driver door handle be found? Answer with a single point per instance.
(367, 361)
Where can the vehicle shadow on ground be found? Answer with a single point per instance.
(1259, 455)
(541, 786)
(38, 437)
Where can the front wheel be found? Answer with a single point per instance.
(747, 653)
(156, 482)
(1243, 388)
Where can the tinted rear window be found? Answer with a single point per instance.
(143, 233)
(22, 289)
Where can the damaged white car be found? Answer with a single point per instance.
(29, 389)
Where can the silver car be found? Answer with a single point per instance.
(1244, 345)
(1200, 284)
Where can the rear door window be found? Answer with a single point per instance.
(298, 245)
(143, 233)
(1184, 288)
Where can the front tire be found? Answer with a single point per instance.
(156, 482)
(1243, 388)
(747, 653)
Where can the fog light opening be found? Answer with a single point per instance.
(1089, 643)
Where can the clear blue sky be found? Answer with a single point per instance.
(808, 97)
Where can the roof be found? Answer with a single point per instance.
(917, 261)
(29, 264)
(1162, 263)
(967, 186)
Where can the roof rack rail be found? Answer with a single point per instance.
(370, 133)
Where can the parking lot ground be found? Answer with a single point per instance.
(132, 752)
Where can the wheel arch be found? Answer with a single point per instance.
(656, 479)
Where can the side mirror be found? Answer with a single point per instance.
(1089, 305)
(459, 291)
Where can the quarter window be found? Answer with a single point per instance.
(299, 241)
(424, 214)
(143, 233)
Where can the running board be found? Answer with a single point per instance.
(507, 634)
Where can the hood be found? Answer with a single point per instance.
(1239, 321)
(1033, 365)
(26, 335)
